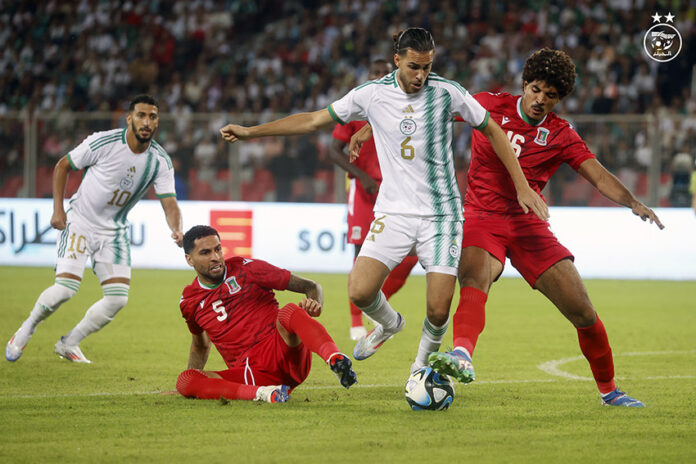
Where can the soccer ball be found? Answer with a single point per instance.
(426, 389)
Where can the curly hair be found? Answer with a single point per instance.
(553, 67)
(194, 233)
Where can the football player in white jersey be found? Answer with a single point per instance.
(123, 164)
(418, 206)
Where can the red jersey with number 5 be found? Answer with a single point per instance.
(540, 149)
(239, 312)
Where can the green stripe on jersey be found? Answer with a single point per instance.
(431, 149)
(165, 195)
(484, 123)
(162, 153)
(72, 165)
(120, 217)
(334, 116)
(103, 141)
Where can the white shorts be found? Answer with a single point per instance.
(109, 252)
(438, 243)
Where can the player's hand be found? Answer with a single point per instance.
(178, 237)
(530, 200)
(233, 132)
(313, 307)
(357, 140)
(59, 220)
(369, 184)
(646, 214)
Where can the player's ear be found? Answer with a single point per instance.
(396, 59)
(189, 260)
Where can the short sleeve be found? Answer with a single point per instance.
(187, 313)
(266, 275)
(353, 106)
(576, 151)
(87, 153)
(467, 107)
(164, 180)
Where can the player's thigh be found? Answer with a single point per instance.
(112, 262)
(478, 268)
(438, 245)
(484, 246)
(534, 248)
(563, 286)
(75, 244)
(390, 239)
(360, 214)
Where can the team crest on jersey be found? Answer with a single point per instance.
(542, 136)
(407, 126)
(232, 285)
(127, 182)
(356, 233)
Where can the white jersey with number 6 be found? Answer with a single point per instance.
(413, 136)
(115, 178)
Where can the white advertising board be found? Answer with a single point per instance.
(607, 242)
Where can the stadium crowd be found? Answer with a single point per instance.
(263, 57)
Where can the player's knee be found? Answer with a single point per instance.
(360, 295)
(285, 314)
(185, 383)
(58, 294)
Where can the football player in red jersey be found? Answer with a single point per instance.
(267, 349)
(495, 227)
(364, 178)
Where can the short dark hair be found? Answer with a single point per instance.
(194, 233)
(415, 38)
(553, 67)
(143, 98)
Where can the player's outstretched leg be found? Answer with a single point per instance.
(193, 383)
(357, 329)
(342, 366)
(456, 363)
(619, 398)
(49, 300)
(70, 352)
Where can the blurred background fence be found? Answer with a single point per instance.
(298, 169)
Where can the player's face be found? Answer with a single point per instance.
(143, 121)
(208, 259)
(378, 70)
(414, 68)
(539, 99)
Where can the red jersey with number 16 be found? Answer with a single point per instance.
(239, 312)
(540, 148)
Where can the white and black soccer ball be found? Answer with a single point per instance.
(428, 390)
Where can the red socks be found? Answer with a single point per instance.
(193, 383)
(397, 277)
(594, 344)
(355, 315)
(311, 332)
(470, 318)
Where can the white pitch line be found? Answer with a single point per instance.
(552, 367)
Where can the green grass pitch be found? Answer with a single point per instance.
(112, 410)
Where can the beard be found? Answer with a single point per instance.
(140, 138)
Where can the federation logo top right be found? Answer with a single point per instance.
(662, 42)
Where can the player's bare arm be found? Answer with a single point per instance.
(337, 155)
(295, 124)
(200, 349)
(313, 292)
(612, 188)
(173, 215)
(526, 196)
(60, 178)
(357, 140)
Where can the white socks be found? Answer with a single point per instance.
(100, 313)
(47, 303)
(431, 339)
(381, 311)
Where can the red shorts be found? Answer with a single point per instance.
(271, 362)
(360, 215)
(525, 239)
